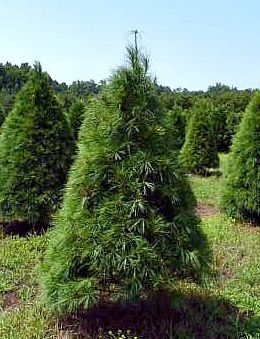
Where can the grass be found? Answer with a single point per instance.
(21, 314)
(228, 307)
(208, 189)
(237, 261)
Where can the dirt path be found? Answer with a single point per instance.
(205, 210)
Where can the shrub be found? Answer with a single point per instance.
(199, 153)
(241, 193)
(127, 225)
(35, 153)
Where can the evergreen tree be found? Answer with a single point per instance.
(218, 118)
(199, 153)
(127, 224)
(176, 122)
(35, 153)
(75, 114)
(241, 193)
(2, 114)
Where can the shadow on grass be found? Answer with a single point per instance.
(21, 228)
(185, 317)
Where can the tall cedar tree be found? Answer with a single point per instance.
(35, 153)
(127, 224)
(241, 192)
(199, 153)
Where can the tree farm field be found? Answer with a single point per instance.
(227, 306)
(129, 177)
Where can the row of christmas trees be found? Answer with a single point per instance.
(127, 223)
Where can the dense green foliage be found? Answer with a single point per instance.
(127, 225)
(227, 103)
(176, 123)
(2, 115)
(199, 153)
(76, 115)
(228, 306)
(14, 77)
(235, 100)
(81, 89)
(35, 152)
(241, 196)
(225, 107)
(219, 119)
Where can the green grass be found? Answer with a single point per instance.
(237, 261)
(18, 257)
(21, 314)
(227, 307)
(208, 189)
(30, 320)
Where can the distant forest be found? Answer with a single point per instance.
(222, 101)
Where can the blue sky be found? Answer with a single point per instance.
(191, 43)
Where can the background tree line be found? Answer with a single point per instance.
(14, 77)
(224, 105)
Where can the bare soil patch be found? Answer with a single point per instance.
(205, 210)
(10, 300)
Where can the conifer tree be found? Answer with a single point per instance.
(199, 153)
(2, 114)
(75, 114)
(176, 122)
(127, 223)
(241, 191)
(218, 118)
(35, 153)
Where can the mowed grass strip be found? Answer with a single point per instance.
(208, 189)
